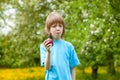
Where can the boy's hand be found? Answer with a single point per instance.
(48, 43)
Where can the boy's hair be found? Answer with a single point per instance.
(52, 18)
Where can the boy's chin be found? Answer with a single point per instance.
(57, 37)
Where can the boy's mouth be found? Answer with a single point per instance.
(57, 32)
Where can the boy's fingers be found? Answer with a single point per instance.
(45, 43)
(49, 45)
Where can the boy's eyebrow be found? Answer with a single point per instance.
(53, 24)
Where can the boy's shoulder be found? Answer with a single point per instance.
(69, 44)
(41, 45)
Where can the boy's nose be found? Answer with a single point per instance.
(58, 27)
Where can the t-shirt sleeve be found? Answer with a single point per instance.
(74, 61)
(42, 54)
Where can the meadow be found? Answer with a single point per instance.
(37, 73)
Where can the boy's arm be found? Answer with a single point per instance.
(47, 45)
(47, 60)
(73, 73)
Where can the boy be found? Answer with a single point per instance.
(57, 55)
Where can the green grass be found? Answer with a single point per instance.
(102, 76)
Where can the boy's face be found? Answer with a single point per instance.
(56, 30)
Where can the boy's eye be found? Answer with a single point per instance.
(60, 25)
(54, 26)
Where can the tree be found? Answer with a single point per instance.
(92, 26)
(23, 41)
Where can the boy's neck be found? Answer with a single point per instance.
(57, 39)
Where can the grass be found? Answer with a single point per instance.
(37, 73)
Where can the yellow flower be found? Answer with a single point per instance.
(21, 73)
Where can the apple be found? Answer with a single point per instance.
(49, 41)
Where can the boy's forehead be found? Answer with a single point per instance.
(57, 23)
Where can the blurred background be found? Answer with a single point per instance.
(92, 26)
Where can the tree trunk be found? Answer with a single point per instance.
(111, 67)
(94, 72)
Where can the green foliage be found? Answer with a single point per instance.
(91, 26)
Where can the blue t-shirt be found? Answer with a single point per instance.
(63, 59)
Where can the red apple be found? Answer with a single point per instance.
(49, 41)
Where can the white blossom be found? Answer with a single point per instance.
(82, 50)
(91, 25)
(105, 40)
(113, 32)
(85, 20)
(94, 47)
(85, 13)
(38, 32)
(87, 48)
(85, 29)
(109, 30)
(111, 37)
(92, 32)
